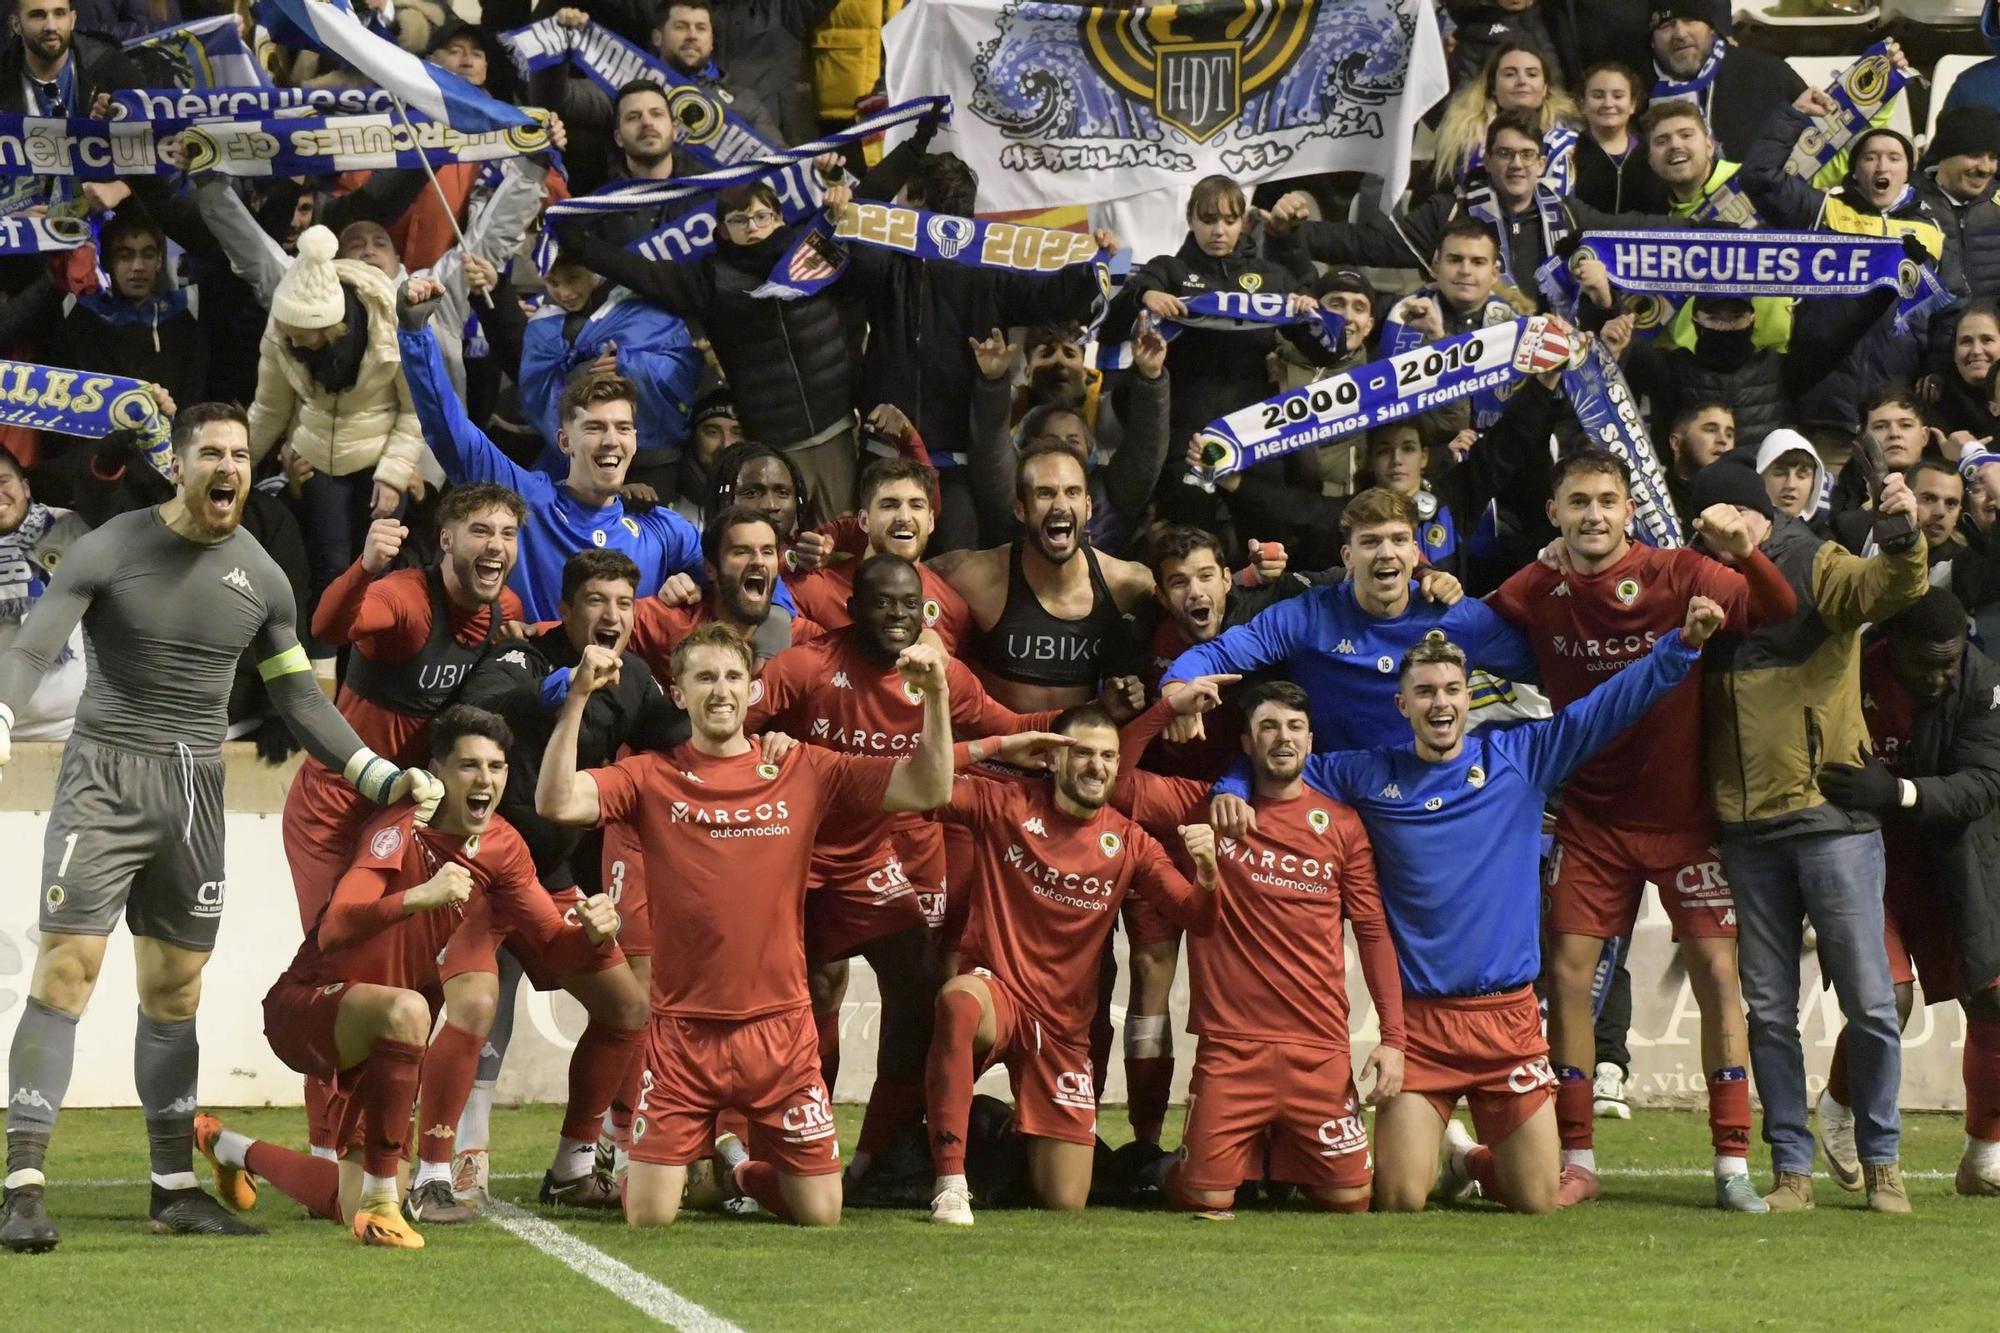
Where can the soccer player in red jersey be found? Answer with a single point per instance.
(416, 634)
(355, 1006)
(732, 1017)
(1052, 862)
(898, 516)
(879, 883)
(1269, 995)
(1637, 811)
(741, 549)
(1933, 707)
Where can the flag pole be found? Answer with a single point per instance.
(443, 202)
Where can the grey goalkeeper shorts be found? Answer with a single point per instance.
(139, 834)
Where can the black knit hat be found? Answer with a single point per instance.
(1966, 130)
(717, 402)
(1732, 480)
(1877, 131)
(1663, 12)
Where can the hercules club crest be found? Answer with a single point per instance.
(1195, 64)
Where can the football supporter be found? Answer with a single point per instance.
(1341, 642)
(898, 515)
(878, 883)
(1637, 811)
(526, 684)
(1051, 864)
(1268, 998)
(732, 1017)
(355, 1006)
(416, 635)
(1932, 703)
(1779, 704)
(1466, 927)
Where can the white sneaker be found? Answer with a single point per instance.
(469, 1179)
(1455, 1182)
(1836, 1140)
(1607, 1093)
(952, 1207)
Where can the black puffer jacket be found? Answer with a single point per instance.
(1971, 235)
(786, 360)
(1754, 391)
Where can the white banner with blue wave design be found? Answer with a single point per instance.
(333, 27)
(204, 53)
(1084, 105)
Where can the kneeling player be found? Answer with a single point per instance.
(1269, 996)
(355, 1006)
(1456, 826)
(1052, 865)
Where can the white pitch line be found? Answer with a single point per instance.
(1637, 1172)
(645, 1294)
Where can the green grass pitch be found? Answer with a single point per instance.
(1652, 1254)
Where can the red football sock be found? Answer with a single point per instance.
(892, 1105)
(1982, 1080)
(948, 1079)
(319, 1124)
(449, 1068)
(1836, 1071)
(624, 1105)
(1729, 1112)
(1479, 1165)
(734, 1122)
(312, 1181)
(827, 1028)
(1574, 1108)
(759, 1180)
(1149, 1081)
(388, 1090)
(597, 1070)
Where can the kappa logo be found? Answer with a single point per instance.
(693, 777)
(182, 1105)
(841, 682)
(31, 1097)
(515, 658)
(441, 1131)
(1319, 821)
(1033, 824)
(1110, 843)
(1391, 793)
(237, 579)
(1345, 646)
(1560, 590)
(386, 842)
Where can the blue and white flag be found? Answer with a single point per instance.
(1859, 92)
(1092, 105)
(1403, 385)
(331, 25)
(710, 132)
(322, 146)
(207, 53)
(246, 103)
(43, 235)
(83, 402)
(1233, 312)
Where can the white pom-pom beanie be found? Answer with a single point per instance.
(309, 295)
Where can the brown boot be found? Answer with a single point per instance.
(1791, 1194)
(1885, 1188)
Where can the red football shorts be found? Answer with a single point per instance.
(1917, 930)
(299, 1024)
(624, 867)
(1596, 879)
(841, 918)
(1303, 1094)
(475, 946)
(1054, 1097)
(920, 847)
(767, 1067)
(1488, 1049)
(958, 861)
(1145, 923)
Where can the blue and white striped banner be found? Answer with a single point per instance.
(1234, 312)
(1752, 263)
(206, 53)
(331, 26)
(43, 235)
(83, 402)
(243, 103)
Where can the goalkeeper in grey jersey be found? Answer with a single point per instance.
(170, 597)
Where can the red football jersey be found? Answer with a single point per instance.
(822, 596)
(727, 842)
(1275, 966)
(1586, 627)
(1222, 730)
(367, 934)
(1046, 888)
(1891, 715)
(831, 693)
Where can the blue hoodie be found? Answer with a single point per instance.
(1980, 85)
(654, 352)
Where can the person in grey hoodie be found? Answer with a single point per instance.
(1795, 478)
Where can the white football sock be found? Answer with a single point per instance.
(24, 1178)
(325, 1154)
(948, 1182)
(377, 1191)
(1583, 1157)
(734, 1154)
(574, 1158)
(1984, 1156)
(475, 1123)
(176, 1180)
(1726, 1167)
(429, 1171)
(232, 1149)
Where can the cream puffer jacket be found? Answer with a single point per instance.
(370, 426)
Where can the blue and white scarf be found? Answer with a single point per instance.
(1479, 201)
(1667, 88)
(318, 146)
(1235, 312)
(42, 235)
(1403, 385)
(710, 132)
(85, 403)
(249, 103)
(1398, 336)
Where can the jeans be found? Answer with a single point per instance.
(1834, 880)
(334, 514)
